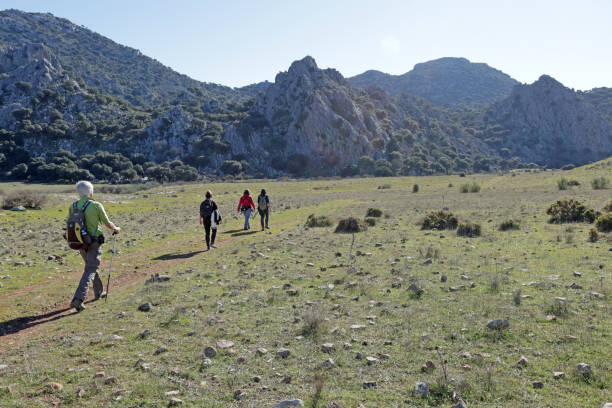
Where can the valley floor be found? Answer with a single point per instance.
(320, 295)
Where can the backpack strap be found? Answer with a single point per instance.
(85, 205)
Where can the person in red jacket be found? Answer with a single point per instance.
(246, 206)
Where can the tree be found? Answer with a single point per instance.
(231, 167)
(20, 171)
(366, 165)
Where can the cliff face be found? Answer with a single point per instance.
(309, 115)
(547, 123)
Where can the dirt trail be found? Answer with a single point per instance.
(17, 331)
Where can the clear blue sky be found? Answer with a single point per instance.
(245, 41)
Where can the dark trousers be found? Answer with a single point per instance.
(264, 214)
(207, 229)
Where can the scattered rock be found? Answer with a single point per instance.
(6, 390)
(283, 352)
(239, 394)
(428, 261)
(289, 404)
(145, 334)
(522, 362)
(460, 404)
(161, 349)
(584, 369)
(172, 393)
(577, 274)
(99, 374)
(207, 362)
(210, 352)
(256, 379)
(443, 278)
(369, 384)
(110, 380)
(557, 375)
(114, 337)
(329, 363)
(175, 402)
(55, 386)
(145, 307)
(261, 351)
(421, 390)
(225, 344)
(18, 208)
(498, 324)
(371, 360)
(3, 367)
(286, 380)
(327, 347)
(429, 366)
(538, 384)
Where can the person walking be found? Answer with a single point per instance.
(209, 217)
(246, 206)
(95, 215)
(263, 207)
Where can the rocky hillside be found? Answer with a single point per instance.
(453, 82)
(71, 107)
(548, 124)
(112, 68)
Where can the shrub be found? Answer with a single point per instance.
(604, 223)
(509, 225)
(26, 198)
(351, 225)
(600, 183)
(231, 167)
(570, 211)
(608, 207)
(318, 221)
(384, 187)
(439, 220)
(314, 323)
(371, 221)
(593, 235)
(568, 167)
(468, 229)
(469, 188)
(516, 297)
(415, 188)
(374, 212)
(573, 183)
(563, 184)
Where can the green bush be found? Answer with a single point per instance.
(351, 225)
(374, 212)
(370, 221)
(608, 207)
(468, 229)
(415, 188)
(469, 188)
(440, 220)
(231, 167)
(563, 184)
(317, 221)
(570, 211)
(26, 198)
(600, 183)
(604, 223)
(509, 225)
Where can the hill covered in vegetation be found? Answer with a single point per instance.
(74, 105)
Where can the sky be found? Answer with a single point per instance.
(239, 42)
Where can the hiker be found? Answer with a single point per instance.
(246, 206)
(263, 206)
(90, 241)
(210, 217)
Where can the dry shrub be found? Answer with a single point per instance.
(351, 225)
(469, 229)
(439, 220)
(604, 223)
(509, 225)
(374, 212)
(570, 211)
(318, 221)
(26, 198)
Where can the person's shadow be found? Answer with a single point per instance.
(21, 323)
(169, 257)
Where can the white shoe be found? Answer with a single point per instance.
(213, 246)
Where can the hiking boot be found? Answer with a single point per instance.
(78, 305)
(213, 246)
(101, 295)
(267, 227)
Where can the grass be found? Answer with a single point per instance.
(243, 292)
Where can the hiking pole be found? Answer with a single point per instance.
(110, 268)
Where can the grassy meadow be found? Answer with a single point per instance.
(388, 299)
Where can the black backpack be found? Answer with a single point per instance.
(76, 229)
(206, 209)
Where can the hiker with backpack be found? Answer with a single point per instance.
(83, 234)
(210, 218)
(263, 206)
(246, 206)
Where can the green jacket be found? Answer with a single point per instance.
(94, 216)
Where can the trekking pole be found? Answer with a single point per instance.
(110, 268)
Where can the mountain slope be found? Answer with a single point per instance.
(102, 63)
(549, 124)
(454, 82)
